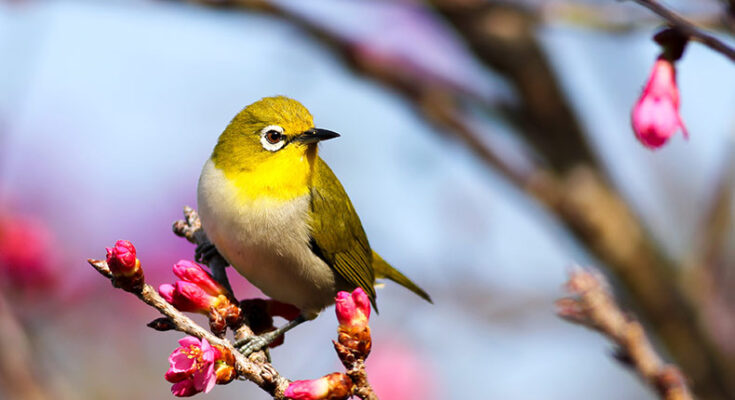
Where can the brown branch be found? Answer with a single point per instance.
(593, 305)
(688, 29)
(259, 372)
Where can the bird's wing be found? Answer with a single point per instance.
(337, 236)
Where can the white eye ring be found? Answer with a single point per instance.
(269, 138)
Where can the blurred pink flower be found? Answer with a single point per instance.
(391, 359)
(655, 117)
(333, 386)
(192, 367)
(27, 253)
(353, 309)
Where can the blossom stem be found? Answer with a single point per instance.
(688, 29)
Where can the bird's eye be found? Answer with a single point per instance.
(272, 138)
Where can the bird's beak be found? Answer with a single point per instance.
(314, 135)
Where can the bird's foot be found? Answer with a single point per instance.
(204, 252)
(252, 344)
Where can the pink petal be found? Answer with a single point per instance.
(208, 352)
(184, 389)
(175, 377)
(189, 341)
(180, 362)
(167, 292)
(205, 379)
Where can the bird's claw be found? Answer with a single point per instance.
(252, 344)
(204, 252)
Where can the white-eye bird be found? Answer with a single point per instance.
(276, 212)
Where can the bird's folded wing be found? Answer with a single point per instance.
(337, 236)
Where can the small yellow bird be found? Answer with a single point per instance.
(276, 212)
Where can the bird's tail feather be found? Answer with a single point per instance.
(384, 270)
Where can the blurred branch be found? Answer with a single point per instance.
(688, 29)
(254, 369)
(612, 18)
(16, 359)
(711, 262)
(593, 306)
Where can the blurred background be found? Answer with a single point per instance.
(486, 146)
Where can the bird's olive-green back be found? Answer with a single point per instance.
(337, 234)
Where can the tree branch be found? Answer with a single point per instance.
(593, 306)
(688, 29)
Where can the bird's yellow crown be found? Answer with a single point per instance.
(267, 152)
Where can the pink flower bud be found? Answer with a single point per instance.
(125, 268)
(330, 387)
(655, 117)
(187, 296)
(190, 271)
(191, 367)
(121, 258)
(353, 309)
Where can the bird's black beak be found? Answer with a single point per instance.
(316, 135)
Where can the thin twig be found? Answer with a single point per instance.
(593, 306)
(261, 373)
(688, 29)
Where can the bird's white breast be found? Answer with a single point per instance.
(267, 241)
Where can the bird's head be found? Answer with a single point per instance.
(269, 149)
(271, 130)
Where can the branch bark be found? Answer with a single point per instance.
(593, 306)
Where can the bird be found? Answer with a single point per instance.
(280, 217)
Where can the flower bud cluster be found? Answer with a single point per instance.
(352, 346)
(353, 334)
(198, 292)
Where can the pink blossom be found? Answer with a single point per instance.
(353, 309)
(655, 117)
(190, 271)
(191, 367)
(333, 386)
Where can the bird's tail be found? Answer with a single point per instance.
(384, 270)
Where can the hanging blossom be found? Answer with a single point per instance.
(197, 366)
(655, 117)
